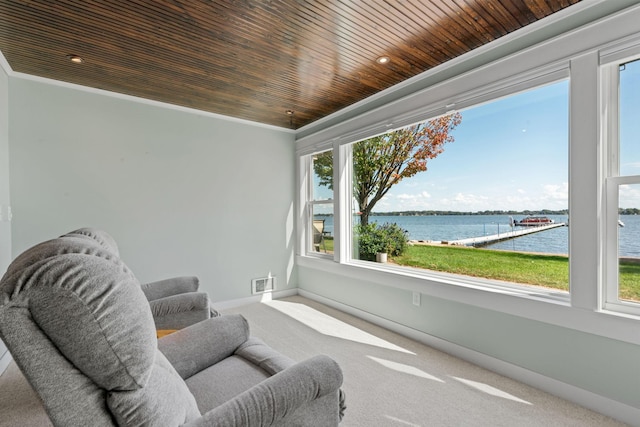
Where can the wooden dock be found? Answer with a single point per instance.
(493, 238)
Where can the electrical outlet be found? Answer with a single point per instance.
(416, 299)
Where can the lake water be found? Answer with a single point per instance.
(454, 227)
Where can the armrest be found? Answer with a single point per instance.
(278, 396)
(260, 354)
(168, 287)
(180, 311)
(195, 348)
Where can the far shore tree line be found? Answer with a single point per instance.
(621, 211)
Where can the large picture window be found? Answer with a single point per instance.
(482, 192)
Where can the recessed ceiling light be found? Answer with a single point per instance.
(75, 59)
(383, 59)
(290, 114)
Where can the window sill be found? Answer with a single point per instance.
(485, 285)
(548, 306)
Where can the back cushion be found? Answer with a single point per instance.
(90, 306)
(64, 245)
(103, 238)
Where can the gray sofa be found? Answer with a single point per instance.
(80, 328)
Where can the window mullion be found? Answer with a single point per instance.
(611, 287)
(584, 196)
(304, 166)
(342, 210)
(608, 284)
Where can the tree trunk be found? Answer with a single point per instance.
(364, 216)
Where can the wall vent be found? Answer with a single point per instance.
(265, 284)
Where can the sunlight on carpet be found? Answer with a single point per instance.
(403, 422)
(490, 390)
(328, 325)
(406, 369)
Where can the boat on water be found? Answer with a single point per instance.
(533, 221)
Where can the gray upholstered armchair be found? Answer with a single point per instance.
(78, 325)
(175, 303)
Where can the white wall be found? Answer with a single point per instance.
(182, 193)
(5, 225)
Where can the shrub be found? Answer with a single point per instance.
(368, 242)
(395, 238)
(373, 239)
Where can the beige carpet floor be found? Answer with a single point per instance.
(389, 380)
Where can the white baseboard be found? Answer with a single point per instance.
(614, 409)
(267, 296)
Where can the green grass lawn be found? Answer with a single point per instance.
(630, 281)
(550, 271)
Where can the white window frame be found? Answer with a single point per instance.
(309, 203)
(610, 61)
(343, 191)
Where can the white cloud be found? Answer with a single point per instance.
(557, 192)
(463, 202)
(421, 195)
(404, 202)
(490, 197)
(629, 196)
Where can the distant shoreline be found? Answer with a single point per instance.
(433, 213)
(621, 211)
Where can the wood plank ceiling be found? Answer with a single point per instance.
(250, 59)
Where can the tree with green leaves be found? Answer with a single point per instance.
(382, 161)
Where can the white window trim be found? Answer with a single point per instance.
(517, 84)
(579, 51)
(625, 50)
(342, 171)
(306, 211)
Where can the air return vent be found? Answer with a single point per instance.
(265, 284)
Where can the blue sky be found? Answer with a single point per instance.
(630, 119)
(508, 154)
(630, 132)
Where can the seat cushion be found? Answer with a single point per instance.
(223, 381)
(164, 401)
